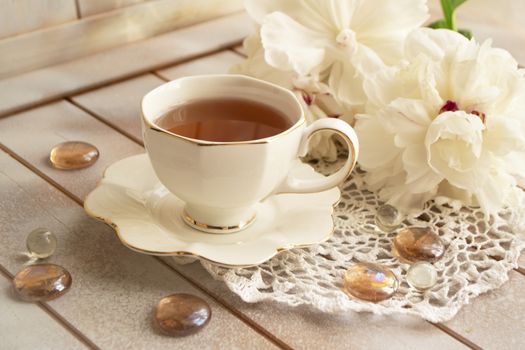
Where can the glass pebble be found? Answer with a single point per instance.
(42, 282)
(371, 282)
(388, 218)
(182, 314)
(422, 275)
(41, 243)
(73, 155)
(414, 244)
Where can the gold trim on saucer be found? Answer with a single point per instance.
(278, 250)
(188, 220)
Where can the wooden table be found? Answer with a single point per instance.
(96, 99)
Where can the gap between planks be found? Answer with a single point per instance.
(56, 316)
(245, 319)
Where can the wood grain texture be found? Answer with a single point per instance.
(495, 320)
(218, 63)
(114, 289)
(94, 34)
(30, 89)
(22, 16)
(93, 7)
(25, 325)
(61, 122)
(119, 104)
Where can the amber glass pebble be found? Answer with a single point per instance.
(371, 282)
(73, 155)
(182, 314)
(42, 282)
(418, 244)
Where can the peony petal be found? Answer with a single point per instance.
(376, 144)
(454, 149)
(494, 191)
(433, 43)
(346, 83)
(289, 45)
(504, 135)
(406, 115)
(313, 14)
(256, 66)
(384, 24)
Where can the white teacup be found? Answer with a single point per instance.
(221, 182)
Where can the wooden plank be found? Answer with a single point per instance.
(119, 104)
(114, 289)
(213, 64)
(93, 34)
(93, 7)
(26, 326)
(37, 87)
(59, 122)
(22, 16)
(495, 320)
(271, 317)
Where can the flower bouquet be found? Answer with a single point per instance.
(437, 114)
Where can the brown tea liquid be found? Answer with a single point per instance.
(224, 120)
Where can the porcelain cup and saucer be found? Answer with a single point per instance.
(232, 203)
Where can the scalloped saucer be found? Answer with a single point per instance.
(147, 218)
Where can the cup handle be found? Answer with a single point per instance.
(295, 185)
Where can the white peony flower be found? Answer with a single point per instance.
(322, 50)
(450, 121)
(336, 41)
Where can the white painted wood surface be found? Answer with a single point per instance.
(26, 326)
(96, 33)
(46, 84)
(22, 16)
(114, 290)
(93, 7)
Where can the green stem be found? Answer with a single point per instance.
(448, 13)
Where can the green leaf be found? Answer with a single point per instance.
(449, 8)
(466, 33)
(438, 24)
(449, 21)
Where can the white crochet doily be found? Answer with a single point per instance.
(480, 252)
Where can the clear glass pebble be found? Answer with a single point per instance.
(41, 243)
(422, 275)
(73, 155)
(371, 282)
(42, 282)
(182, 314)
(414, 244)
(388, 218)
